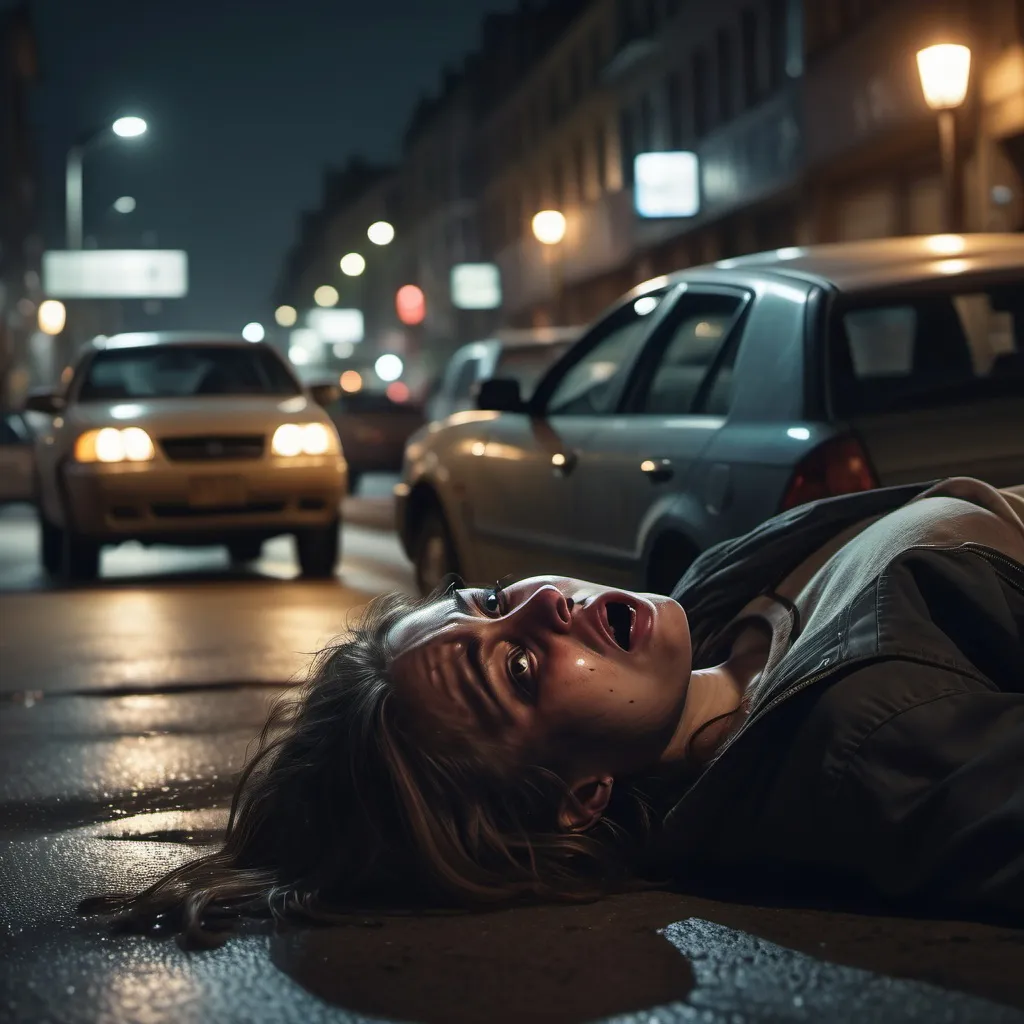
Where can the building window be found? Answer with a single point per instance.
(627, 145)
(700, 93)
(601, 153)
(674, 97)
(748, 56)
(723, 52)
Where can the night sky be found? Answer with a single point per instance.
(247, 101)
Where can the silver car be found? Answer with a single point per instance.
(186, 439)
(706, 402)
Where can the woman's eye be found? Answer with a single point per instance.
(521, 671)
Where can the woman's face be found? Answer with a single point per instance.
(571, 675)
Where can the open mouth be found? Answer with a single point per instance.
(620, 620)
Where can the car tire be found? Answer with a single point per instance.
(244, 552)
(81, 563)
(51, 546)
(434, 556)
(317, 549)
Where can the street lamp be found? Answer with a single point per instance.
(124, 204)
(549, 226)
(945, 70)
(124, 128)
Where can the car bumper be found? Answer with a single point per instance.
(157, 499)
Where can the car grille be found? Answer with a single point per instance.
(213, 449)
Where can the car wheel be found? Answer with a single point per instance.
(434, 556)
(51, 546)
(242, 552)
(81, 558)
(318, 549)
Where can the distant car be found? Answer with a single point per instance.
(186, 439)
(373, 431)
(17, 459)
(523, 356)
(708, 401)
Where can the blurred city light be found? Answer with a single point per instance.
(645, 304)
(326, 295)
(799, 433)
(476, 286)
(351, 381)
(352, 264)
(253, 332)
(286, 316)
(666, 184)
(52, 316)
(549, 226)
(945, 70)
(130, 127)
(380, 232)
(124, 204)
(397, 391)
(343, 349)
(388, 367)
(298, 355)
(337, 324)
(411, 304)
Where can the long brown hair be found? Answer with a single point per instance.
(343, 806)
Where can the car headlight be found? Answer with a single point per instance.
(113, 444)
(303, 439)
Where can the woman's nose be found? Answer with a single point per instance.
(547, 607)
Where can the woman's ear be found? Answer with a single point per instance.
(586, 803)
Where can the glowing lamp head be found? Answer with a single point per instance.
(549, 226)
(945, 70)
(130, 127)
(253, 332)
(51, 316)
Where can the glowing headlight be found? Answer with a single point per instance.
(111, 444)
(302, 439)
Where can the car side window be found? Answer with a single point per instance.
(702, 326)
(462, 387)
(588, 386)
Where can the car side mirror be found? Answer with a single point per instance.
(500, 394)
(325, 394)
(45, 401)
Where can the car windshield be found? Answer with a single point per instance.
(183, 371)
(924, 350)
(527, 363)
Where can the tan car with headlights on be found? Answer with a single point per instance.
(186, 439)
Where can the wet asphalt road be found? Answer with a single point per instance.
(127, 707)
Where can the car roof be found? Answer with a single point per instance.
(867, 265)
(142, 339)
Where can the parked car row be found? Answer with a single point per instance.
(705, 402)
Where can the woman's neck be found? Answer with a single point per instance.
(716, 693)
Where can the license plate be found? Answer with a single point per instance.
(215, 491)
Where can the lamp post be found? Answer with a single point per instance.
(124, 128)
(945, 70)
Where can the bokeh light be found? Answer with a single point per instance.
(380, 232)
(549, 226)
(411, 304)
(352, 264)
(351, 381)
(286, 315)
(52, 316)
(397, 391)
(253, 332)
(326, 295)
(124, 204)
(388, 367)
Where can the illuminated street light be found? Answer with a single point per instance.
(388, 367)
(326, 295)
(352, 264)
(51, 316)
(286, 316)
(380, 232)
(130, 127)
(945, 71)
(124, 128)
(253, 332)
(549, 226)
(124, 204)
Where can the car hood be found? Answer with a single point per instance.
(228, 414)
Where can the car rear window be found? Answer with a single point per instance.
(182, 371)
(927, 350)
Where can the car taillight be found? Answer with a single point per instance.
(839, 466)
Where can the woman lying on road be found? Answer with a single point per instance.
(834, 702)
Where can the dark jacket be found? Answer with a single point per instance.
(888, 756)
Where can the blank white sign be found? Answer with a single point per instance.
(115, 274)
(666, 184)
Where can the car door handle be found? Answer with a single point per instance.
(657, 470)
